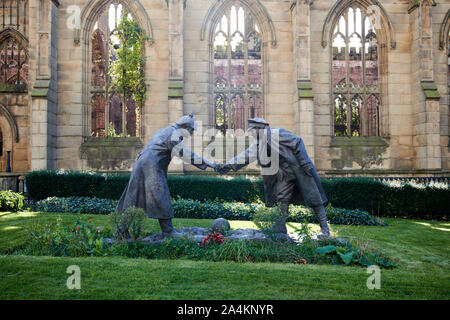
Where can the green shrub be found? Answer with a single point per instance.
(11, 201)
(56, 239)
(128, 224)
(384, 199)
(76, 205)
(213, 209)
(390, 199)
(209, 209)
(335, 216)
(265, 219)
(238, 189)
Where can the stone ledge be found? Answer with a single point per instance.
(13, 88)
(113, 142)
(40, 89)
(175, 89)
(337, 142)
(380, 173)
(111, 153)
(305, 90)
(430, 90)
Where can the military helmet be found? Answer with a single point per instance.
(187, 121)
(257, 123)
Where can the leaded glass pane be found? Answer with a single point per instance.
(237, 79)
(340, 116)
(121, 111)
(355, 74)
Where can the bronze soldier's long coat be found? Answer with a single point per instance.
(293, 161)
(148, 188)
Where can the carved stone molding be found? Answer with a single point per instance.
(262, 15)
(341, 5)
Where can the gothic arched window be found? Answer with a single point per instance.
(113, 112)
(13, 63)
(355, 75)
(237, 64)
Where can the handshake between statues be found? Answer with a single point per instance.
(221, 169)
(292, 180)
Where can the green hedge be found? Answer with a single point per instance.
(209, 209)
(378, 198)
(44, 184)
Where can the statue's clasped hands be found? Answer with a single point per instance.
(221, 169)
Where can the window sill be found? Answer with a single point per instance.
(111, 154)
(339, 142)
(113, 141)
(12, 88)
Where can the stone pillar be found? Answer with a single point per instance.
(176, 69)
(426, 99)
(304, 105)
(44, 94)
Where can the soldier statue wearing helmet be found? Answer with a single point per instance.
(148, 188)
(295, 179)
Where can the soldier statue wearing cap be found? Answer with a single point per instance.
(294, 180)
(148, 188)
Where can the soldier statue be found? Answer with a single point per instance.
(294, 180)
(148, 188)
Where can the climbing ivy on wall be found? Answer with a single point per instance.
(126, 67)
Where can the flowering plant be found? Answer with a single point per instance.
(216, 238)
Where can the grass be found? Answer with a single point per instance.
(421, 249)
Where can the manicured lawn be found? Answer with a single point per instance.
(421, 249)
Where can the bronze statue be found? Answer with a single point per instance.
(294, 179)
(148, 188)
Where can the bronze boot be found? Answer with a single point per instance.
(321, 216)
(167, 229)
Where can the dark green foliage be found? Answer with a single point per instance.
(393, 199)
(210, 188)
(187, 208)
(78, 240)
(208, 209)
(213, 209)
(265, 219)
(380, 199)
(335, 216)
(50, 183)
(10, 201)
(76, 205)
(350, 255)
(128, 224)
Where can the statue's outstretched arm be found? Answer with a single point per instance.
(195, 159)
(243, 159)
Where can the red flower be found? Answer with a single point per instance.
(89, 220)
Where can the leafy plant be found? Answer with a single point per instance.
(76, 205)
(349, 255)
(209, 209)
(127, 69)
(80, 239)
(128, 224)
(11, 201)
(265, 219)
